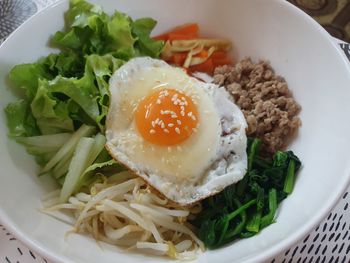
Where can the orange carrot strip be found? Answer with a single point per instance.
(219, 55)
(175, 36)
(187, 29)
(222, 61)
(202, 54)
(163, 37)
(206, 67)
(179, 58)
(190, 29)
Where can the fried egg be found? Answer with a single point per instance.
(184, 137)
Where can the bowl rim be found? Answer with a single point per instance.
(291, 240)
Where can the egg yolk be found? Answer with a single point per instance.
(166, 117)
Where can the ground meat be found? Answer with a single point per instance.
(267, 103)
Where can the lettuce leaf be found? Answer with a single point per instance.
(51, 115)
(119, 33)
(69, 89)
(91, 92)
(89, 30)
(57, 103)
(26, 77)
(102, 68)
(20, 120)
(146, 46)
(66, 64)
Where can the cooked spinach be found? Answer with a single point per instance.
(244, 209)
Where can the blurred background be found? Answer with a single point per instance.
(333, 15)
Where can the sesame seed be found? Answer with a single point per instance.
(164, 93)
(182, 113)
(177, 130)
(193, 117)
(166, 130)
(153, 124)
(174, 116)
(163, 112)
(157, 121)
(162, 125)
(152, 131)
(171, 125)
(159, 101)
(189, 114)
(194, 130)
(179, 122)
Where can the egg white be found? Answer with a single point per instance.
(209, 160)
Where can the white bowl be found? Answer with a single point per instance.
(298, 48)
